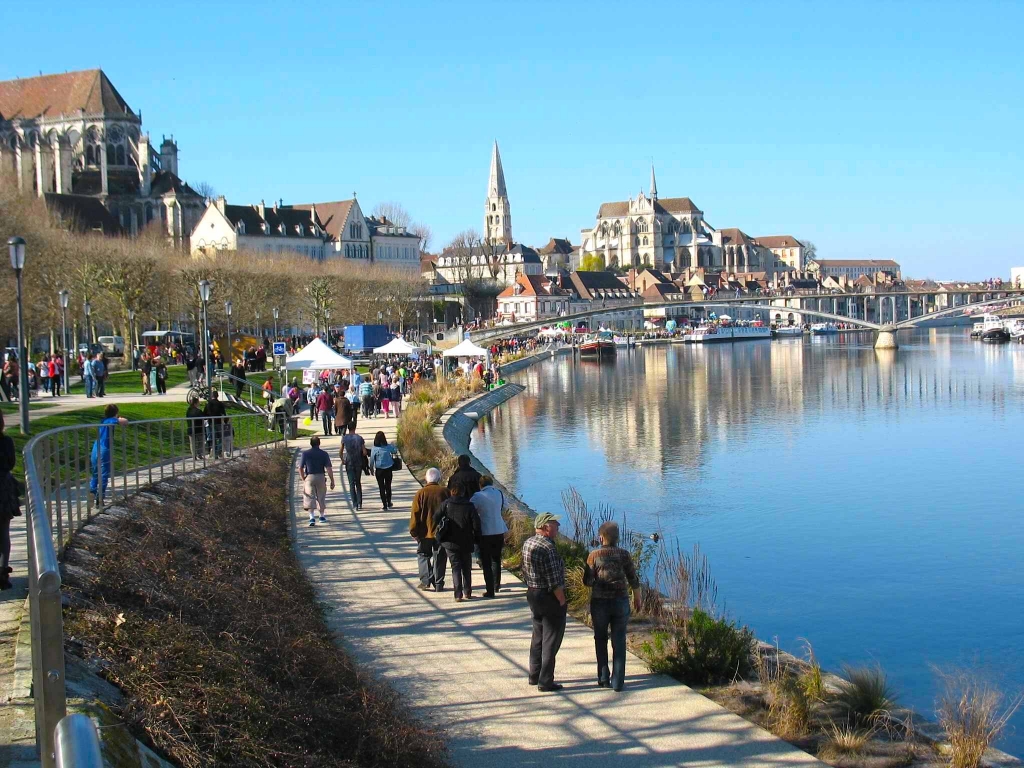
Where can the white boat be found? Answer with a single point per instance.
(624, 341)
(789, 331)
(715, 334)
(994, 329)
(1016, 329)
(976, 330)
(822, 329)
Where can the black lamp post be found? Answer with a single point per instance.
(204, 295)
(17, 249)
(274, 310)
(327, 324)
(259, 335)
(131, 335)
(65, 296)
(87, 308)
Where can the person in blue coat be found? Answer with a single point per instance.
(99, 459)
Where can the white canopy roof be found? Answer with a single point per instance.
(396, 346)
(466, 349)
(317, 355)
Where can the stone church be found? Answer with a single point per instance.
(73, 140)
(670, 235)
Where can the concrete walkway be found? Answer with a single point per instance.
(463, 666)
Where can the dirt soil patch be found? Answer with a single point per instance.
(190, 600)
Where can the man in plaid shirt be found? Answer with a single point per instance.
(544, 572)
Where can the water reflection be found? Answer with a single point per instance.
(860, 499)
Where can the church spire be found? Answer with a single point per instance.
(654, 185)
(498, 212)
(496, 185)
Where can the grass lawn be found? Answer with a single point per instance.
(33, 406)
(126, 382)
(129, 443)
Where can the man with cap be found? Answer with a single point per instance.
(544, 572)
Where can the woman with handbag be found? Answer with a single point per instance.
(382, 460)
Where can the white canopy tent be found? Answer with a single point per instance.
(318, 356)
(466, 349)
(397, 346)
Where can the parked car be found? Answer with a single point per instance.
(112, 345)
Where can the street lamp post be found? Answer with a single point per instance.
(419, 329)
(275, 311)
(227, 313)
(131, 335)
(65, 296)
(204, 295)
(87, 308)
(327, 323)
(16, 245)
(258, 334)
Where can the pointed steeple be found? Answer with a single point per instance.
(496, 185)
(654, 185)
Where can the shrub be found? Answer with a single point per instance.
(865, 696)
(707, 651)
(577, 594)
(715, 650)
(811, 679)
(973, 713)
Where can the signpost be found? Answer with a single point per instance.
(279, 348)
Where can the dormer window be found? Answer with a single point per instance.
(299, 230)
(282, 230)
(240, 228)
(266, 228)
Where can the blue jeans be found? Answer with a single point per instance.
(90, 386)
(612, 611)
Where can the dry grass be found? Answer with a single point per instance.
(429, 400)
(865, 697)
(842, 739)
(194, 605)
(973, 713)
(811, 679)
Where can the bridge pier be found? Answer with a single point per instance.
(886, 338)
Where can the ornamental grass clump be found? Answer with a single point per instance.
(843, 739)
(865, 697)
(973, 713)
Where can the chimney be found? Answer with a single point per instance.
(222, 203)
(262, 208)
(312, 212)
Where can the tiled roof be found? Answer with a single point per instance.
(661, 290)
(598, 285)
(856, 263)
(675, 205)
(668, 205)
(165, 182)
(51, 95)
(734, 236)
(533, 285)
(379, 227)
(779, 241)
(557, 245)
(332, 216)
(290, 218)
(82, 212)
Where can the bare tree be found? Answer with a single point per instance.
(810, 250)
(424, 233)
(393, 212)
(205, 189)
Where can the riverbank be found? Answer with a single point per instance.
(746, 701)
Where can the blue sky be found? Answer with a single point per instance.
(888, 130)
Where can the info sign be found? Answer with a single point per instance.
(309, 375)
(279, 348)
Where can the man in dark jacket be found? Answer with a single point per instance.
(465, 475)
(217, 413)
(460, 533)
(196, 434)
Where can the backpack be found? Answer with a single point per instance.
(442, 528)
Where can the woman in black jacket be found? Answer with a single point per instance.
(460, 532)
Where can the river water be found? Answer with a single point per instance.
(869, 502)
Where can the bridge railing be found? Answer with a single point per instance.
(71, 473)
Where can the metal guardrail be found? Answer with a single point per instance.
(256, 399)
(77, 744)
(70, 474)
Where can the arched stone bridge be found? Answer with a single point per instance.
(886, 331)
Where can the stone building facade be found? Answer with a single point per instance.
(73, 134)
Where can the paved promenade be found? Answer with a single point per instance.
(463, 666)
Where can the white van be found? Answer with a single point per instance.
(113, 345)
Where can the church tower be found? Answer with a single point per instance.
(498, 214)
(654, 185)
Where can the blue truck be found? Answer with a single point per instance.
(361, 339)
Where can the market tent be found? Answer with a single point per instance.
(396, 346)
(466, 349)
(316, 355)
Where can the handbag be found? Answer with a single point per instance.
(366, 465)
(396, 462)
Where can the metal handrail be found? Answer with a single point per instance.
(77, 744)
(57, 490)
(224, 375)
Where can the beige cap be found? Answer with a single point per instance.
(543, 519)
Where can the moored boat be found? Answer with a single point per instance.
(976, 330)
(994, 329)
(788, 331)
(824, 329)
(599, 345)
(714, 334)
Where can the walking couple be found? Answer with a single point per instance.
(610, 574)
